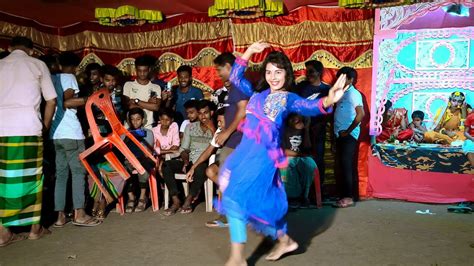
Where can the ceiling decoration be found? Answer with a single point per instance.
(127, 16)
(377, 3)
(246, 9)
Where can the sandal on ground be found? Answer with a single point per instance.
(130, 206)
(186, 210)
(43, 232)
(61, 225)
(343, 204)
(100, 215)
(88, 223)
(13, 238)
(141, 206)
(220, 222)
(172, 210)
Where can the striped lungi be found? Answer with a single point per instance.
(21, 180)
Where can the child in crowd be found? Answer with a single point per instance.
(191, 113)
(166, 135)
(298, 176)
(142, 93)
(417, 126)
(145, 137)
(468, 146)
(68, 141)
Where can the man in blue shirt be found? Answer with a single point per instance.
(347, 117)
(183, 93)
(314, 88)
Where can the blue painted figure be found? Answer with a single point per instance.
(252, 189)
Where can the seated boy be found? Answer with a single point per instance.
(417, 126)
(196, 138)
(191, 115)
(298, 176)
(136, 117)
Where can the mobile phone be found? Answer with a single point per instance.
(168, 86)
(152, 94)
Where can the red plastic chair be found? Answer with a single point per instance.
(317, 188)
(102, 100)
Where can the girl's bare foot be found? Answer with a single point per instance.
(236, 262)
(285, 245)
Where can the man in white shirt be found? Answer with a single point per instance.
(142, 93)
(347, 117)
(23, 81)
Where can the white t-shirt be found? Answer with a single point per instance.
(134, 90)
(69, 126)
(213, 141)
(183, 125)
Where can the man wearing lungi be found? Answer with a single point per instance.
(23, 81)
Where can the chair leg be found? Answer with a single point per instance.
(120, 206)
(317, 188)
(186, 188)
(116, 164)
(154, 193)
(91, 172)
(208, 191)
(128, 154)
(167, 197)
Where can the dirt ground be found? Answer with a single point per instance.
(372, 233)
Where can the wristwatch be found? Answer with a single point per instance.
(136, 101)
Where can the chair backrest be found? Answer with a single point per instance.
(102, 100)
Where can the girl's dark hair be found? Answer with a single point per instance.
(166, 111)
(281, 61)
(135, 111)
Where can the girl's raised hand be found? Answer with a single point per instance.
(254, 48)
(337, 90)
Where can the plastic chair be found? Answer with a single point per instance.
(317, 187)
(208, 187)
(101, 99)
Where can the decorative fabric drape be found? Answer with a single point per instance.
(337, 37)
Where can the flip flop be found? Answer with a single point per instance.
(56, 225)
(171, 211)
(89, 223)
(220, 222)
(14, 238)
(340, 204)
(186, 210)
(43, 232)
